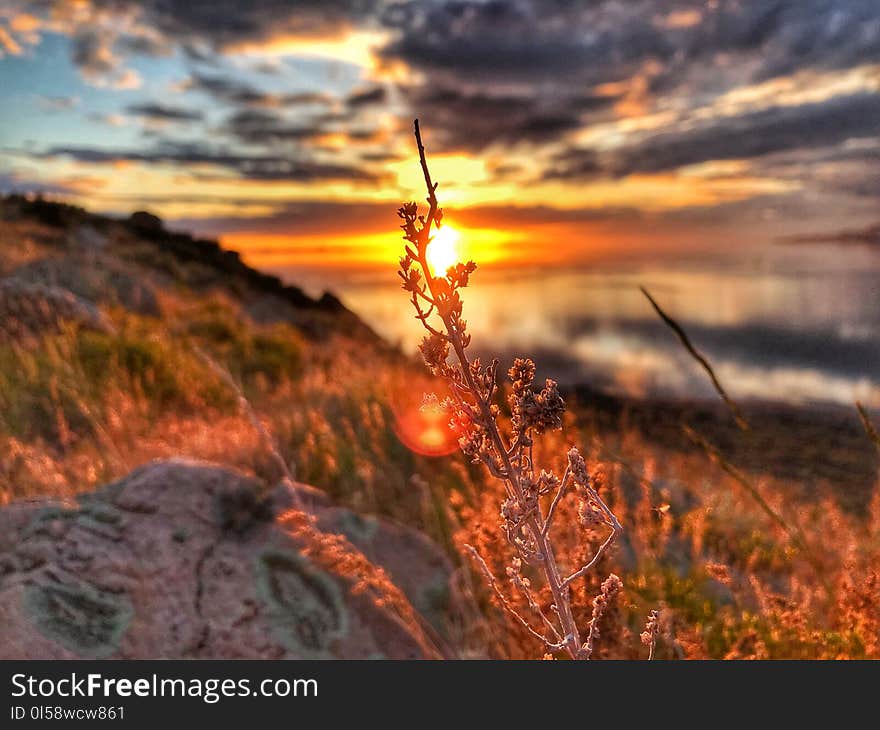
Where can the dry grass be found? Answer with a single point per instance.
(79, 408)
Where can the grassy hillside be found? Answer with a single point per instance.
(102, 367)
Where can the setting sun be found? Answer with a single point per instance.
(443, 249)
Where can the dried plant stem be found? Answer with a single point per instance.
(473, 390)
(703, 362)
(502, 599)
(582, 571)
(794, 532)
(868, 425)
(651, 632)
(247, 409)
(560, 493)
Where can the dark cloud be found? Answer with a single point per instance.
(161, 112)
(222, 23)
(472, 121)
(252, 167)
(522, 41)
(308, 216)
(561, 54)
(266, 128)
(574, 164)
(367, 97)
(92, 52)
(605, 40)
(779, 128)
(303, 217)
(821, 34)
(240, 93)
(145, 44)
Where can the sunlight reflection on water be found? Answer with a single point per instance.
(794, 323)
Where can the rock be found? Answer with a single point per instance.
(98, 279)
(185, 559)
(28, 310)
(415, 564)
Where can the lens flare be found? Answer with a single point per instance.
(423, 427)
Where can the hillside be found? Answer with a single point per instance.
(114, 347)
(158, 256)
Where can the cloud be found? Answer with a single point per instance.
(524, 41)
(91, 51)
(750, 135)
(367, 97)
(16, 182)
(473, 121)
(640, 52)
(104, 33)
(604, 41)
(302, 217)
(224, 23)
(239, 93)
(252, 167)
(574, 164)
(110, 120)
(8, 44)
(575, 91)
(163, 113)
(265, 128)
(504, 216)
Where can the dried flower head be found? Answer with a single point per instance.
(651, 632)
(474, 412)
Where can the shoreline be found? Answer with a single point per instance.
(814, 446)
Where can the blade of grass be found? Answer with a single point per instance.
(868, 424)
(794, 532)
(704, 363)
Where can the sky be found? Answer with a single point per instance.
(559, 132)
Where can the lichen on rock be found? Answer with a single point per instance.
(86, 621)
(184, 559)
(305, 604)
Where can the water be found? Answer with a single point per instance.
(794, 323)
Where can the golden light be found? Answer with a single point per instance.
(443, 250)
(423, 427)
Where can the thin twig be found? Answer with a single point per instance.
(704, 363)
(595, 559)
(869, 426)
(556, 500)
(257, 423)
(526, 592)
(505, 604)
(793, 532)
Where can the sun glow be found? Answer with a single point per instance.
(443, 249)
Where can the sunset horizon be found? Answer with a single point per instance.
(434, 330)
(289, 139)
